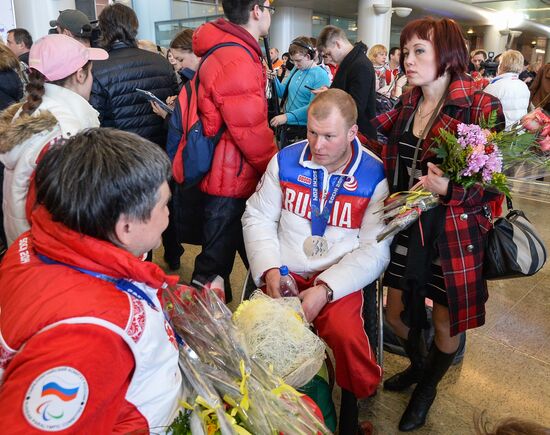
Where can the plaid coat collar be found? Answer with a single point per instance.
(462, 98)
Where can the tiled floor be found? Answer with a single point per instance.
(506, 368)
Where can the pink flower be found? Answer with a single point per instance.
(545, 144)
(535, 120)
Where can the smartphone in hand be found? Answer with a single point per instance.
(152, 97)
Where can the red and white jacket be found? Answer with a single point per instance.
(77, 355)
(277, 220)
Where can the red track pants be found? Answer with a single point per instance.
(340, 324)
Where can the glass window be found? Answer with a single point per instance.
(349, 25)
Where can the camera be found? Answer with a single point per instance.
(489, 65)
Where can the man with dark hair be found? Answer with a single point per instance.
(20, 43)
(477, 58)
(315, 211)
(128, 67)
(74, 23)
(355, 73)
(393, 60)
(74, 291)
(232, 93)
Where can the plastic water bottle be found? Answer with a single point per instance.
(288, 287)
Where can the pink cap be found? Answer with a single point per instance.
(58, 56)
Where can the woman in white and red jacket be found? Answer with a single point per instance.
(57, 105)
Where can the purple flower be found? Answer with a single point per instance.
(492, 165)
(470, 135)
(475, 163)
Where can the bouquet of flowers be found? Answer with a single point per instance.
(526, 147)
(233, 392)
(478, 155)
(473, 156)
(276, 334)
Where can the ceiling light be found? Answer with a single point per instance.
(380, 9)
(402, 12)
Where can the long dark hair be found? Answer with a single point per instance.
(118, 22)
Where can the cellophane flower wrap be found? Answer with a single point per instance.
(478, 155)
(276, 334)
(234, 393)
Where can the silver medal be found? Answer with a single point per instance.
(315, 246)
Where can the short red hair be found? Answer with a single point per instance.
(446, 36)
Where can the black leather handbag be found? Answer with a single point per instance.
(514, 248)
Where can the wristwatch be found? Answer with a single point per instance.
(330, 293)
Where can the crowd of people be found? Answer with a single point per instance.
(297, 179)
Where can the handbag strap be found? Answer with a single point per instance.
(509, 203)
(422, 137)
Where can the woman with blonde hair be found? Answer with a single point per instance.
(512, 92)
(378, 54)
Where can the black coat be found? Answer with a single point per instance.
(11, 88)
(114, 95)
(355, 75)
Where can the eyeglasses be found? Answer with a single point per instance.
(271, 9)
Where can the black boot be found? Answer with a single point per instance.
(437, 364)
(415, 349)
(348, 423)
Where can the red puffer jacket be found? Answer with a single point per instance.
(232, 90)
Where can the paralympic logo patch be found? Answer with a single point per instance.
(56, 399)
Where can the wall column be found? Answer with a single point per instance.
(288, 23)
(493, 40)
(35, 16)
(373, 28)
(148, 12)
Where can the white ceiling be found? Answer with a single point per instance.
(466, 12)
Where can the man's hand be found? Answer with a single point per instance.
(279, 120)
(272, 74)
(319, 90)
(272, 280)
(435, 182)
(313, 300)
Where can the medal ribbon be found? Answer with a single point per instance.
(121, 284)
(319, 219)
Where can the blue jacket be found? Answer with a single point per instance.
(299, 97)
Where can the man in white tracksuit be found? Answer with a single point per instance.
(314, 211)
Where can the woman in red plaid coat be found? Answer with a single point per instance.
(446, 244)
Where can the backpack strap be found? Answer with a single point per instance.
(223, 127)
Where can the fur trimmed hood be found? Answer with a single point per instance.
(6, 63)
(14, 131)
